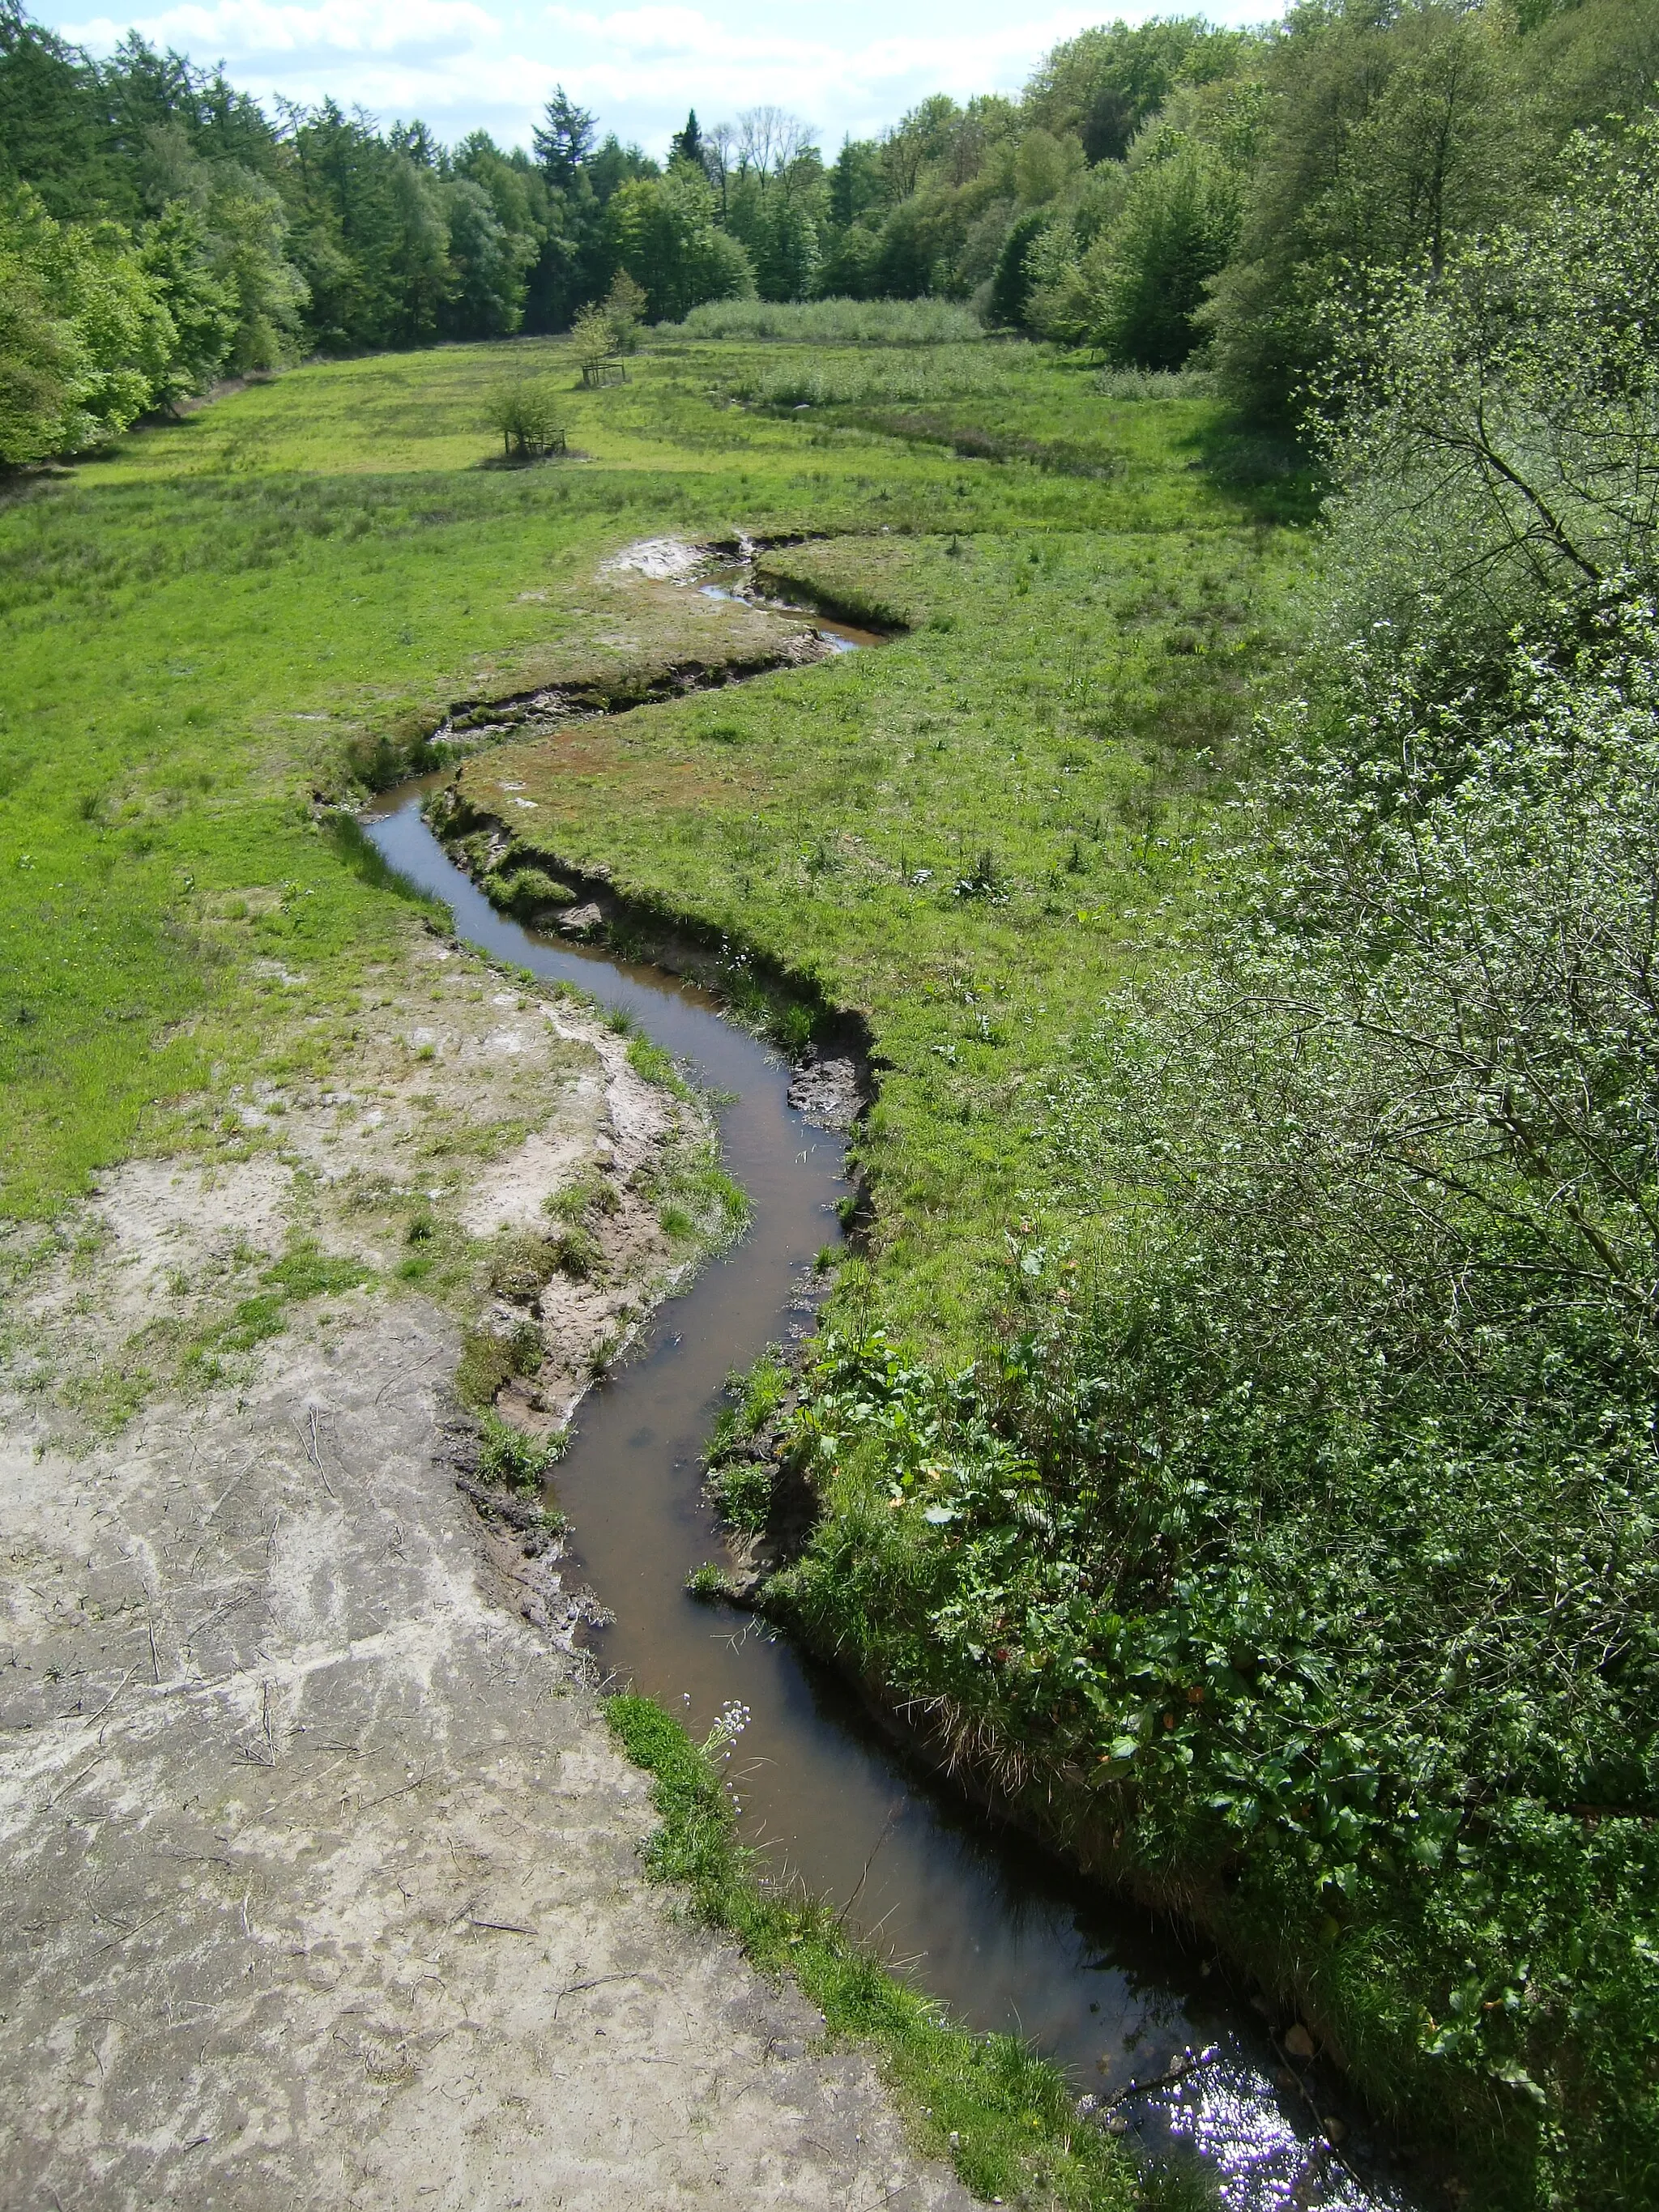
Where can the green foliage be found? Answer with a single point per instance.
(1105, 84)
(1005, 2117)
(529, 417)
(777, 231)
(488, 1363)
(1389, 137)
(1262, 169)
(834, 322)
(85, 337)
(586, 1192)
(1176, 231)
(1299, 1535)
(662, 231)
(740, 1490)
(593, 345)
(508, 1456)
(1496, 430)
(1010, 285)
(576, 1252)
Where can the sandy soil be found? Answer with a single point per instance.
(317, 1871)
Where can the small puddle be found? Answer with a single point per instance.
(979, 1915)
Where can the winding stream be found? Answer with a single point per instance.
(981, 1917)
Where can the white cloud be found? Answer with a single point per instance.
(254, 30)
(460, 65)
(671, 57)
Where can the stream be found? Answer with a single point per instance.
(977, 1914)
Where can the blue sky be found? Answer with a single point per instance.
(461, 63)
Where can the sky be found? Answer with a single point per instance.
(463, 64)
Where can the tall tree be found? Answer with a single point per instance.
(563, 139)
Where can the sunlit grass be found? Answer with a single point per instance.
(233, 615)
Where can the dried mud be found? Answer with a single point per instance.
(319, 1882)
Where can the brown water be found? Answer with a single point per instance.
(982, 1917)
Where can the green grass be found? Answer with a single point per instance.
(967, 837)
(280, 596)
(833, 322)
(299, 1275)
(1006, 2118)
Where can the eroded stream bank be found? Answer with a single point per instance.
(987, 1921)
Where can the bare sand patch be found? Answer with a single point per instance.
(319, 1883)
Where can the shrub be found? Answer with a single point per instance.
(593, 345)
(519, 1265)
(741, 1492)
(526, 412)
(576, 1252)
(488, 1363)
(508, 1456)
(587, 1192)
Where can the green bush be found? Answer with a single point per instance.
(527, 414)
(488, 1363)
(741, 1492)
(505, 1456)
(519, 1265)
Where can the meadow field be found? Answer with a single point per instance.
(232, 622)
(958, 845)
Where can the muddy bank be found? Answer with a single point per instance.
(472, 723)
(319, 1883)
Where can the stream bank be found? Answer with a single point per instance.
(990, 1922)
(320, 1882)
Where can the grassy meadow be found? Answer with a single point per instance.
(228, 619)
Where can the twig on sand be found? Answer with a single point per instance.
(314, 1454)
(114, 1695)
(572, 1989)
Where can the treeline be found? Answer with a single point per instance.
(159, 230)
(1156, 189)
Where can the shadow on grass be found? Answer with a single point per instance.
(1264, 467)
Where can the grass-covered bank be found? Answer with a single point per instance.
(966, 837)
(1006, 2119)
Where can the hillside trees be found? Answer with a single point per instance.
(86, 339)
(1104, 85)
(1368, 1377)
(1161, 192)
